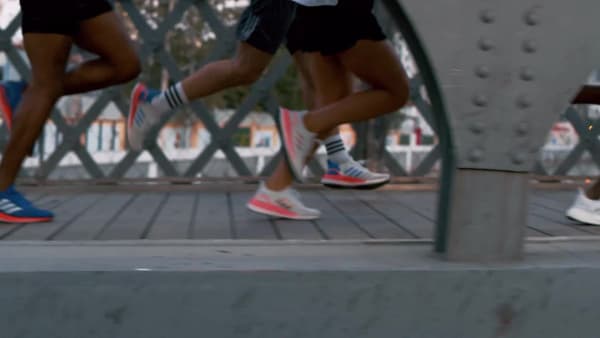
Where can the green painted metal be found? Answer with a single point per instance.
(402, 21)
(152, 46)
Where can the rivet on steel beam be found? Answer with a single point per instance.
(527, 74)
(530, 46)
(522, 128)
(482, 72)
(476, 155)
(480, 100)
(532, 18)
(487, 16)
(519, 158)
(485, 44)
(523, 102)
(477, 127)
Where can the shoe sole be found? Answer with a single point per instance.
(4, 218)
(354, 186)
(282, 131)
(262, 211)
(583, 217)
(133, 105)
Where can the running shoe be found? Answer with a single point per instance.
(15, 208)
(298, 142)
(281, 204)
(142, 116)
(352, 175)
(585, 210)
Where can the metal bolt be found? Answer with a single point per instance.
(519, 158)
(480, 100)
(476, 155)
(530, 46)
(477, 127)
(482, 72)
(487, 16)
(522, 129)
(527, 74)
(523, 102)
(486, 44)
(532, 18)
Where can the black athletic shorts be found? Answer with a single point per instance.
(264, 24)
(333, 29)
(60, 16)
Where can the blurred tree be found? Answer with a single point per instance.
(190, 43)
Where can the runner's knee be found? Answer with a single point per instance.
(398, 89)
(247, 73)
(50, 90)
(400, 93)
(127, 70)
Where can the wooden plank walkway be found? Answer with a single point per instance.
(168, 212)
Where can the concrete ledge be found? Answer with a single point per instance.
(297, 290)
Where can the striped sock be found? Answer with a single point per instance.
(171, 98)
(336, 150)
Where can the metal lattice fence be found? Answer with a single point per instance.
(373, 139)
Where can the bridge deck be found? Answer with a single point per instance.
(218, 211)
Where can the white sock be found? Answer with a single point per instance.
(170, 99)
(336, 150)
(274, 193)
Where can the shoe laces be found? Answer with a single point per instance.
(357, 165)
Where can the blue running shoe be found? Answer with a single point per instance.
(352, 175)
(142, 115)
(15, 208)
(10, 96)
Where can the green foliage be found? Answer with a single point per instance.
(191, 42)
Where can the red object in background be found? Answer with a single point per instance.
(419, 135)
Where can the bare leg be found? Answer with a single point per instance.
(333, 83)
(247, 66)
(384, 73)
(105, 36)
(282, 178)
(594, 191)
(118, 62)
(48, 54)
(302, 61)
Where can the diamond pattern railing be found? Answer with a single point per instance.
(589, 132)
(151, 40)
